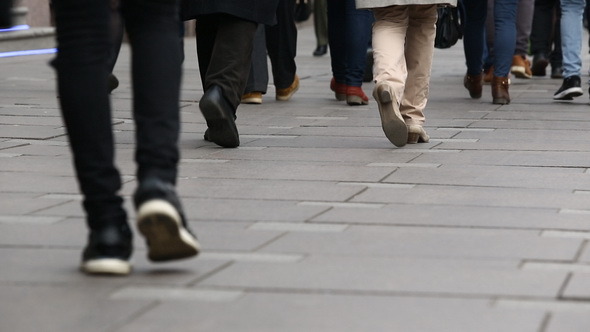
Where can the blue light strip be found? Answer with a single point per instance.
(16, 28)
(28, 52)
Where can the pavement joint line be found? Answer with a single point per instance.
(204, 161)
(322, 118)
(175, 293)
(343, 204)
(270, 136)
(581, 192)
(10, 155)
(76, 197)
(297, 227)
(466, 129)
(378, 185)
(427, 150)
(252, 257)
(556, 305)
(20, 219)
(556, 266)
(573, 211)
(280, 127)
(417, 165)
(252, 148)
(455, 140)
(566, 234)
(38, 142)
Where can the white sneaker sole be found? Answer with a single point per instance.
(112, 266)
(166, 238)
(569, 94)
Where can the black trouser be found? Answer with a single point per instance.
(280, 41)
(83, 63)
(281, 44)
(546, 31)
(224, 49)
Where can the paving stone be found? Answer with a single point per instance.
(426, 242)
(578, 288)
(568, 321)
(327, 312)
(491, 176)
(66, 307)
(425, 215)
(560, 159)
(475, 196)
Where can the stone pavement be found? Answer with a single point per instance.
(317, 222)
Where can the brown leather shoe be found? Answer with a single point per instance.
(473, 84)
(500, 90)
(286, 93)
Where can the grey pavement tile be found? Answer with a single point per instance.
(30, 132)
(578, 287)
(27, 182)
(248, 210)
(431, 215)
(512, 145)
(277, 170)
(557, 125)
(41, 265)
(19, 121)
(568, 322)
(341, 156)
(51, 164)
(529, 177)
(14, 204)
(476, 196)
(316, 273)
(325, 312)
(561, 159)
(268, 189)
(67, 307)
(328, 142)
(32, 149)
(430, 243)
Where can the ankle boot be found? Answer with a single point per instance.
(500, 90)
(473, 84)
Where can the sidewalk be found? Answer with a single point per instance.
(317, 222)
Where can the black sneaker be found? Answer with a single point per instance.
(570, 88)
(161, 221)
(108, 250)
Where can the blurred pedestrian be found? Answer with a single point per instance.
(349, 31)
(320, 26)
(225, 32)
(503, 47)
(403, 47)
(279, 41)
(83, 64)
(572, 12)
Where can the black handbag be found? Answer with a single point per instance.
(302, 10)
(448, 27)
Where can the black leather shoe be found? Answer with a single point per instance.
(220, 118)
(108, 250)
(320, 50)
(556, 72)
(540, 62)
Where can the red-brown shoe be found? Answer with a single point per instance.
(355, 96)
(500, 90)
(339, 89)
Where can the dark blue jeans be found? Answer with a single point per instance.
(349, 35)
(504, 35)
(85, 42)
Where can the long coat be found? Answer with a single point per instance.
(260, 11)
(364, 4)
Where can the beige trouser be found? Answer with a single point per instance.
(403, 44)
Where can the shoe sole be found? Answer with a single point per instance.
(106, 266)
(569, 94)
(393, 125)
(519, 72)
(255, 101)
(288, 96)
(159, 222)
(222, 128)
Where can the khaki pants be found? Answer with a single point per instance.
(403, 44)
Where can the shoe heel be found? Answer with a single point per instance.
(355, 100)
(340, 96)
(385, 97)
(413, 138)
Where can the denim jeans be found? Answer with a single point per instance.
(349, 33)
(572, 12)
(85, 42)
(504, 35)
